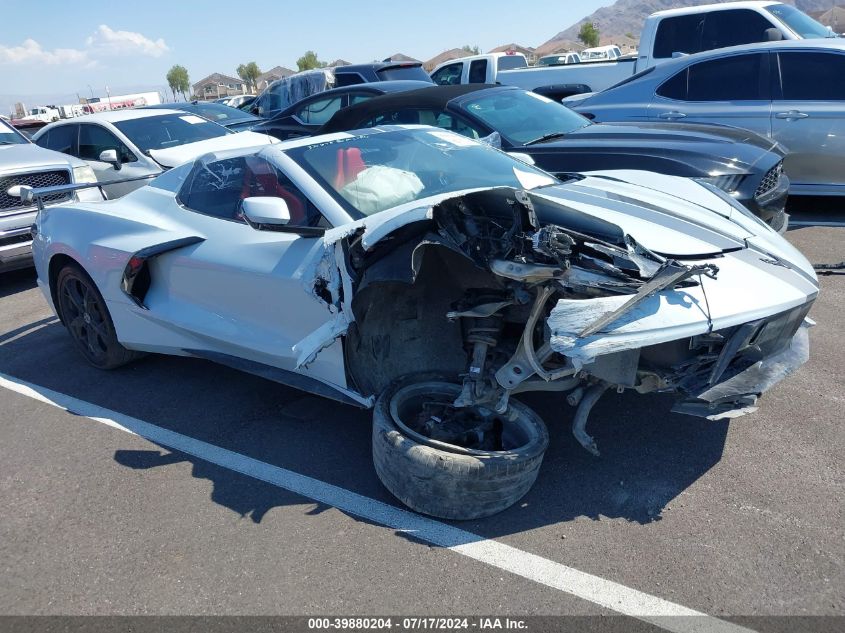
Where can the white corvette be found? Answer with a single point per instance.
(429, 276)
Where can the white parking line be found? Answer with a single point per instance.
(606, 593)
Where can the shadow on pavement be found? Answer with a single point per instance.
(16, 281)
(649, 456)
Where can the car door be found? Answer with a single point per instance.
(808, 117)
(732, 90)
(61, 138)
(93, 140)
(244, 293)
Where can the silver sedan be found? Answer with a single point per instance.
(792, 92)
(123, 144)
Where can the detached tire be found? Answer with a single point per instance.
(446, 480)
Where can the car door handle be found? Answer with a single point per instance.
(792, 114)
(671, 115)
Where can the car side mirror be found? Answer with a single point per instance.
(773, 35)
(110, 156)
(266, 210)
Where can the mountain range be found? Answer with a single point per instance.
(625, 17)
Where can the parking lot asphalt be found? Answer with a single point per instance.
(739, 518)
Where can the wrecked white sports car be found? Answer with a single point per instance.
(433, 278)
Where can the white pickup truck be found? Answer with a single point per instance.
(665, 34)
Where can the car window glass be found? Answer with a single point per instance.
(411, 72)
(520, 116)
(809, 76)
(168, 130)
(478, 71)
(681, 34)
(61, 138)
(94, 139)
(348, 79)
(448, 75)
(675, 87)
(735, 78)
(508, 62)
(360, 97)
(703, 32)
(319, 112)
(218, 189)
(435, 118)
(732, 28)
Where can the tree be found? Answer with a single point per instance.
(472, 50)
(249, 73)
(177, 79)
(309, 61)
(589, 34)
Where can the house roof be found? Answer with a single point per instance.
(400, 57)
(340, 62)
(217, 78)
(504, 48)
(445, 56)
(277, 72)
(558, 46)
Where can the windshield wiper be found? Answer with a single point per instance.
(546, 137)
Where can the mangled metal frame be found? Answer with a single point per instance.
(609, 300)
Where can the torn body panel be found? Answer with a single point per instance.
(482, 286)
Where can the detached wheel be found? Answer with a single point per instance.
(454, 463)
(86, 317)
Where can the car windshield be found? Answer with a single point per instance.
(218, 113)
(377, 171)
(169, 130)
(522, 117)
(9, 135)
(798, 21)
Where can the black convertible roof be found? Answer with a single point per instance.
(434, 97)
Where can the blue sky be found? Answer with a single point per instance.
(128, 45)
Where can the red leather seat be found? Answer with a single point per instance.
(349, 165)
(260, 180)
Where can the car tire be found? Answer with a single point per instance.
(445, 480)
(86, 317)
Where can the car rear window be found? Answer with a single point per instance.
(414, 72)
(509, 62)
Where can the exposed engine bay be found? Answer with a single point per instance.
(504, 302)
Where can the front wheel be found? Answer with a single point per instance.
(454, 463)
(84, 313)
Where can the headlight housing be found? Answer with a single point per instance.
(84, 174)
(728, 183)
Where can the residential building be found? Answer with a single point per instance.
(218, 85)
(266, 78)
(445, 56)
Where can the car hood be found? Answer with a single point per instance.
(735, 148)
(689, 223)
(175, 156)
(27, 157)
